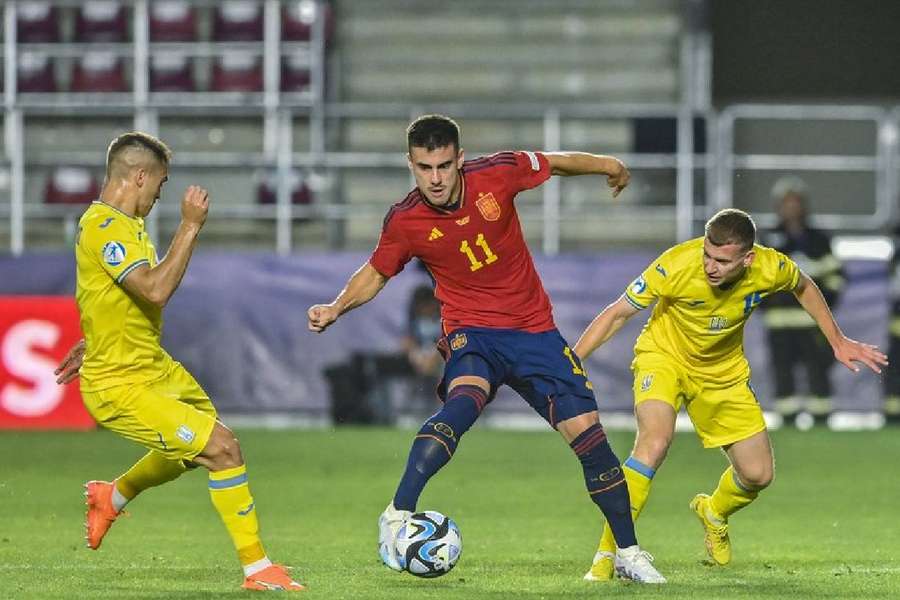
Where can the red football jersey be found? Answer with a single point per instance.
(484, 273)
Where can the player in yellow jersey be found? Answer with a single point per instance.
(129, 383)
(691, 353)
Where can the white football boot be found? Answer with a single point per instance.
(635, 564)
(389, 524)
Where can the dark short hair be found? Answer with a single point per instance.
(432, 132)
(731, 226)
(138, 140)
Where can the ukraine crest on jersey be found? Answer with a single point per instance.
(701, 326)
(122, 336)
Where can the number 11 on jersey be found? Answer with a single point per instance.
(474, 263)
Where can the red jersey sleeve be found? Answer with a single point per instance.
(531, 170)
(392, 252)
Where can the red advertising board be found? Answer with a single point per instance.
(35, 334)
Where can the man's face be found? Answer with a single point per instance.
(151, 188)
(724, 264)
(436, 172)
(791, 208)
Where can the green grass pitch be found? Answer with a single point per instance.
(827, 528)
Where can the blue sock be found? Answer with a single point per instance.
(436, 442)
(606, 482)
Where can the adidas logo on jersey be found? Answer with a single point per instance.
(435, 234)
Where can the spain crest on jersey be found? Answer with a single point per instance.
(488, 206)
(458, 341)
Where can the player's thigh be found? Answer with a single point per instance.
(658, 378)
(723, 416)
(471, 361)
(551, 378)
(182, 385)
(149, 415)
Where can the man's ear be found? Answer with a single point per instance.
(748, 260)
(460, 158)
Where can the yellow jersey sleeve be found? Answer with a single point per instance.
(115, 246)
(652, 284)
(786, 273)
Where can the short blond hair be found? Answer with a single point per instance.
(157, 150)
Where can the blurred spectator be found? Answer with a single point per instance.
(892, 372)
(359, 387)
(794, 339)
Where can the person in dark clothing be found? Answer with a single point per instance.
(794, 340)
(358, 393)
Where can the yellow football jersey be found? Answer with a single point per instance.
(122, 333)
(698, 325)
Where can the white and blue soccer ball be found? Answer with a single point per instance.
(428, 544)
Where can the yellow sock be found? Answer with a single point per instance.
(230, 495)
(151, 470)
(730, 496)
(638, 477)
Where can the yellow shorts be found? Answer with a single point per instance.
(721, 415)
(172, 414)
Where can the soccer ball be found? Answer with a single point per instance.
(428, 544)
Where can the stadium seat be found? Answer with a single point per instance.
(99, 72)
(294, 74)
(173, 21)
(267, 189)
(71, 185)
(238, 20)
(35, 73)
(297, 17)
(101, 21)
(237, 72)
(37, 22)
(171, 72)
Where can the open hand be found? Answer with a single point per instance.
(850, 352)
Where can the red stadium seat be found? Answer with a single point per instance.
(173, 21)
(35, 73)
(238, 20)
(99, 72)
(171, 72)
(71, 185)
(37, 22)
(267, 189)
(101, 21)
(297, 17)
(294, 74)
(237, 72)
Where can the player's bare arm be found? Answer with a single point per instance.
(604, 326)
(68, 367)
(847, 351)
(362, 287)
(156, 285)
(583, 163)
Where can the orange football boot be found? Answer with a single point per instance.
(100, 511)
(274, 578)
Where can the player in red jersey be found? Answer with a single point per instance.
(461, 222)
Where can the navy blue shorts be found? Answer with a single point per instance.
(539, 366)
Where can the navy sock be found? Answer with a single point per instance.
(606, 482)
(437, 440)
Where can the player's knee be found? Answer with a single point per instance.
(223, 451)
(757, 477)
